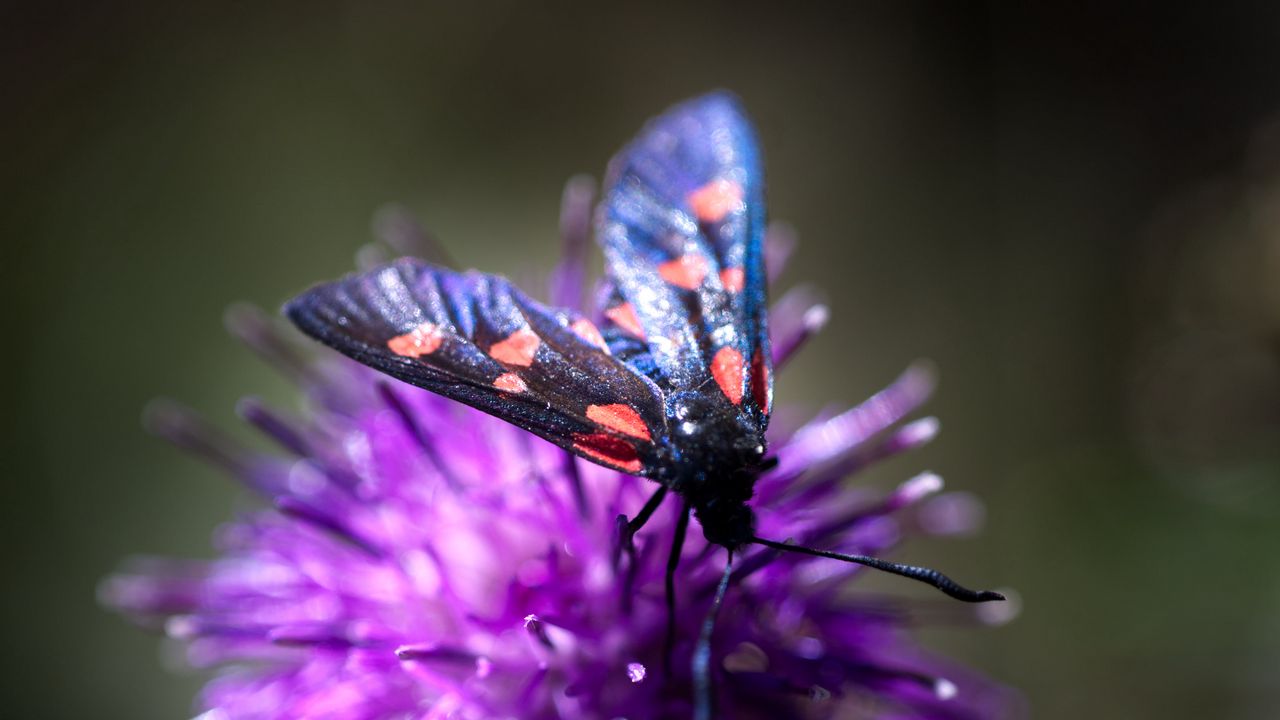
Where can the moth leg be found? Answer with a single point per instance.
(673, 561)
(646, 512)
(627, 529)
(704, 695)
(625, 542)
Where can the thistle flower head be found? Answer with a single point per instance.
(419, 559)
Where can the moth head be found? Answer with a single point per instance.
(726, 522)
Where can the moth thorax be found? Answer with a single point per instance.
(712, 434)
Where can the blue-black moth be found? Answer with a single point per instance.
(672, 378)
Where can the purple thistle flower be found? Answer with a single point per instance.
(421, 559)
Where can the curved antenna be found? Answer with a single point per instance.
(920, 574)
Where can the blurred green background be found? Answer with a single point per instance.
(1075, 211)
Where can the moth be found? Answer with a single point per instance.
(670, 380)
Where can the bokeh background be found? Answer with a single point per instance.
(1075, 211)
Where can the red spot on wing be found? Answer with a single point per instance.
(510, 382)
(718, 198)
(422, 340)
(624, 316)
(517, 349)
(760, 390)
(609, 449)
(619, 418)
(733, 279)
(587, 330)
(726, 368)
(687, 271)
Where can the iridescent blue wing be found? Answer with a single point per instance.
(479, 340)
(682, 227)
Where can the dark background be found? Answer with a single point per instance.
(1075, 211)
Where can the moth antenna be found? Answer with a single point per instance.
(920, 574)
(704, 697)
